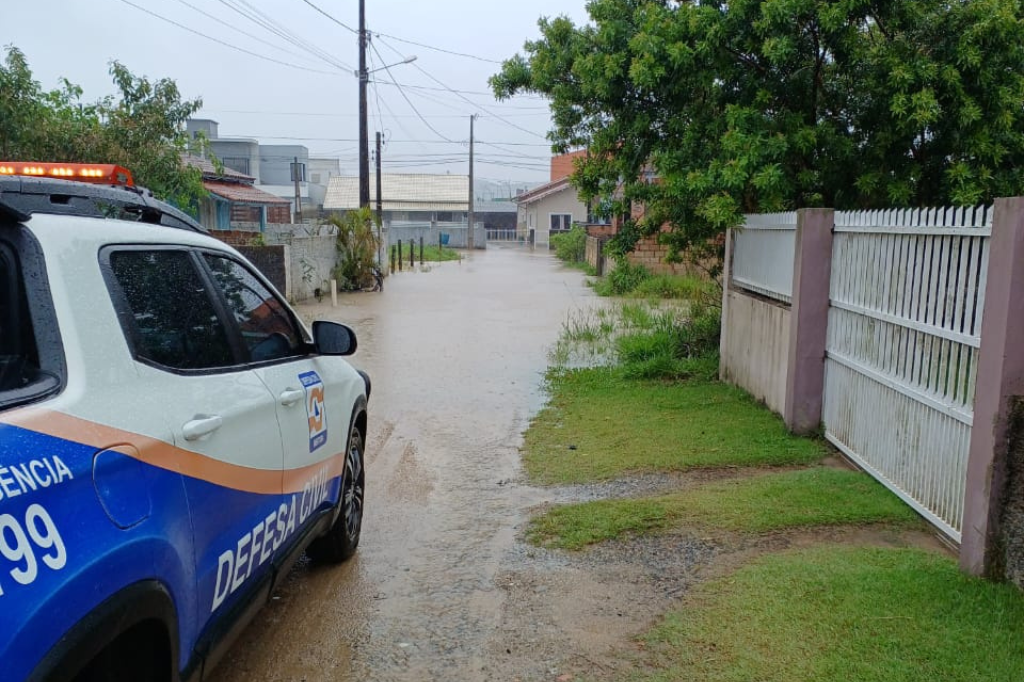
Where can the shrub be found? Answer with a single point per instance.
(571, 246)
(357, 248)
(623, 279)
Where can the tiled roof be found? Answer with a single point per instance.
(402, 192)
(538, 193)
(242, 193)
(210, 173)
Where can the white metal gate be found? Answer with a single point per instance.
(907, 295)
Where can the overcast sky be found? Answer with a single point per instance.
(312, 98)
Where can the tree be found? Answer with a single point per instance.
(143, 128)
(357, 245)
(702, 111)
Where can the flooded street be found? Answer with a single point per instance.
(457, 356)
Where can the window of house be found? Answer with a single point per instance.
(561, 222)
(167, 311)
(236, 163)
(314, 178)
(267, 329)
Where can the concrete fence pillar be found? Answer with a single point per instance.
(1000, 380)
(812, 272)
(726, 280)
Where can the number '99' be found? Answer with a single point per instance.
(25, 545)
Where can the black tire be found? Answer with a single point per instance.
(341, 541)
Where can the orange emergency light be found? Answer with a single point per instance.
(96, 173)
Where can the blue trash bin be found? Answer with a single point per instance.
(444, 238)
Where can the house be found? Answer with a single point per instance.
(318, 174)
(406, 197)
(272, 167)
(548, 210)
(234, 200)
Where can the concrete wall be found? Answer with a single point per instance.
(311, 265)
(755, 348)
(231, 151)
(1012, 522)
(595, 254)
(430, 235)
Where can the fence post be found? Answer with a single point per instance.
(808, 322)
(421, 251)
(400, 255)
(1000, 380)
(726, 277)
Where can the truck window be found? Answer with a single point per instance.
(21, 379)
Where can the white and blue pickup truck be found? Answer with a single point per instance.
(172, 437)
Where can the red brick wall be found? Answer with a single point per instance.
(601, 231)
(279, 213)
(562, 166)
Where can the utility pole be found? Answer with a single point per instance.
(296, 175)
(364, 141)
(469, 235)
(380, 212)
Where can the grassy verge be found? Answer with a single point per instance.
(600, 425)
(840, 613)
(792, 499)
(433, 254)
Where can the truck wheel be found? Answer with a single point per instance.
(341, 541)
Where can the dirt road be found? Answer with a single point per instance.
(436, 592)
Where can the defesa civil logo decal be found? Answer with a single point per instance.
(315, 410)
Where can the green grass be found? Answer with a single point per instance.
(841, 613)
(619, 426)
(433, 254)
(791, 499)
(677, 287)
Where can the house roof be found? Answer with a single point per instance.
(242, 193)
(402, 192)
(210, 172)
(538, 193)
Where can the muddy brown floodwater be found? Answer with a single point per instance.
(457, 356)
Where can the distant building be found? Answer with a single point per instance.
(271, 167)
(406, 197)
(553, 207)
(234, 200)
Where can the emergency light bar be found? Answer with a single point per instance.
(101, 173)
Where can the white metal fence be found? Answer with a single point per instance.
(763, 252)
(907, 295)
(495, 235)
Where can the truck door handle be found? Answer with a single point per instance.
(202, 425)
(290, 396)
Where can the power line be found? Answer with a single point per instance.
(339, 23)
(462, 143)
(449, 89)
(324, 114)
(225, 44)
(236, 29)
(261, 19)
(479, 93)
(439, 49)
(409, 101)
